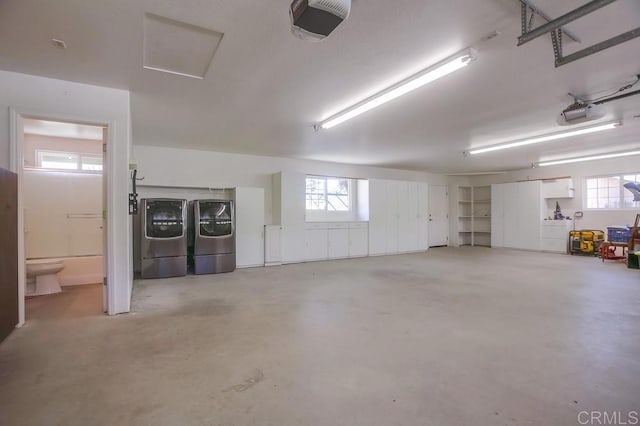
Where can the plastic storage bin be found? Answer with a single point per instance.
(618, 234)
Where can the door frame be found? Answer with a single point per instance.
(430, 206)
(16, 139)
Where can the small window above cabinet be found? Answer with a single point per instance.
(558, 188)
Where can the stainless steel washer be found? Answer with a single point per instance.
(212, 248)
(163, 242)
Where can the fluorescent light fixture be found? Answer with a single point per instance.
(477, 173)
(590, 158)
(549, 137)
(414, 82)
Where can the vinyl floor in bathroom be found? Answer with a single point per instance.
(74, 302)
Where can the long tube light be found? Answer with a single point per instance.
(403, 87)
(590, 158)
(549, 137)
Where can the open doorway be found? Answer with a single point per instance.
(63, 190)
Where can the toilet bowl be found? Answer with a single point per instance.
(41, 276)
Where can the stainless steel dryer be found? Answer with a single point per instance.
(212, 248)
(163, 240)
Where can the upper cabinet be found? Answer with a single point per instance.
(558, 188)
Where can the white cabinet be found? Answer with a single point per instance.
(392, 217)
(558, 188)
(408, 217)
(338, 243)
(289, 212)
(530, 214)
(497, 215)
(316, 244)
(358, 240)
(517, 208)
(377, 217)
(249, 227)
(337, 240)
(554, 235)
(397, 216)
(272, 245)
(511, 210)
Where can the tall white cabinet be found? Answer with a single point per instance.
(289, 212)
(397, 216)
(516, 214)
(249, 227)
(397, 213)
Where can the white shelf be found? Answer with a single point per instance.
(474, 212)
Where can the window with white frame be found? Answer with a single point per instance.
(610, 192)
(71, 161)
(329, 194)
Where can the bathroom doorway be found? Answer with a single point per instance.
(63, 190)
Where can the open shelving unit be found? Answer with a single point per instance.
(474, 215)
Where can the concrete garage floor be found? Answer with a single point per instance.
(466, 336)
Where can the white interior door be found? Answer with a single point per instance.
(423, 214)
(438, 215)
(105, 242)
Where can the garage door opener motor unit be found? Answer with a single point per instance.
(316, 19)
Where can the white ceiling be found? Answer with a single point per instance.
(265, 88)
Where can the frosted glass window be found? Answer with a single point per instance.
(70, 161)
(92, 163)
(58, 160)
(328, 194)
(609, 192)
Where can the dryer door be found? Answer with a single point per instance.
(216, 218)
(164, 219)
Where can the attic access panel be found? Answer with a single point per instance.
(177, 47)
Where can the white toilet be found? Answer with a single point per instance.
(41, 276)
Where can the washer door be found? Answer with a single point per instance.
(164, 219)
(216, 218)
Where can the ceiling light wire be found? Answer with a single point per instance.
(621, 89)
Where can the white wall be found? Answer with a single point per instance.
(57, 99)
(57, 206)
(593, 219)
(190, 168)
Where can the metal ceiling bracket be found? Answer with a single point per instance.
(563, 60)
(527, 6)
(555, 28)
(563, 20)
(556, 41)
